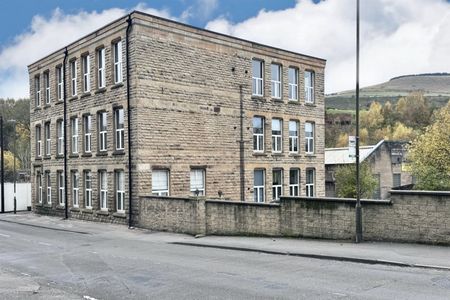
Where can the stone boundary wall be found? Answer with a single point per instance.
(409, 216)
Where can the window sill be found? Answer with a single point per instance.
(295, 102)
(76, 209)
(47, 157)
(86, 94)
(100, 90)
(37, 108)
(47, 106)
(59, 156)
(60, 207)
(74, 156)
(277, 100)
(102, 153)
(259, 154)
(86, 154)
(256, 97)
(39, 205)
(102, 212)
(119, 215)
(59, 102)
(277, 154)
(73, 98)
(294, 155)
(38, 158)
(47, 205)
(119, 152)
(117, 85)
(87, 211)
(310, 104)
(310, 155)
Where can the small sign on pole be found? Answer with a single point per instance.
(352, 146)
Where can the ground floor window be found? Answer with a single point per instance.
(39, 187)
(277, 184)
(60, 177)
(75, 190)
(49, 188)
(120, 191)
(88, 189)
(310, 176)
(294, 182)
(198, 182)
(160, 182)
(258, 185)
(103, 183)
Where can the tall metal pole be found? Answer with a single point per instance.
(2, 167)
(358, 212)
(14, 173)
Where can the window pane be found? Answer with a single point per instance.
(259, 178)
(293, 176)
(256, 68)
(258, 125)
(160, 180)
(277, 180)
(293, 128)
(275, 72)
(276, 125)
(197, 179)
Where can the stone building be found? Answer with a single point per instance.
(387, 160)
(148, 106)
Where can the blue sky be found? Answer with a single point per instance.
(398, 37)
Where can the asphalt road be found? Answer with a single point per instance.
(111, 262)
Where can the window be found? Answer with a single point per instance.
(258, 185)
(310, 182)
(397, 180)
(87, 133)
(120, 191)
(74, 129)
(38, 141)
(37, 84)
(277, 141)
(257, 77)
(60, 176)
(73, 76)
(309, 137)
(88, 189)
(49, 188)
(47, 87)
(75, 189)
(293, 84)
(39, 187)
(60, 136)
(86, 73)
(293, 136)
(103, 182)
(117, 49)
(294, 182)
(277, 184)
(102, 131)
(160, 183)
(119, 125)
(48, 139)
(59, 82)
(101, 80)
(309, 87)
(258, 134)
(198, 182)
(276, 80)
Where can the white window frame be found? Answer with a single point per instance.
(258, 79)
(86, 73)
(259, 191)
(277, 138)
(75, 189)
(38, 141)
(117, 49)
(157, 191)
(47, 87)
(309, 86)
(103, 183)
(258, 137)
(120, 191)
(59, 78)
(49, 187)
(293, 136)
(309, 137)
(37, 84)
(48, 139)
(196, 176)
(102, 131)
(60, 136)
(73, 76)
(119, 125)
(277, 189)
(74, 131)
(275, 81)
(293, 85)
(294, 188)
(101, 79)
(88, 189)
(39, 187)
(87, 127)
(310, 185)
(60, 180)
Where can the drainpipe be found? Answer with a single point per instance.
(130, 181)
(66, 206)
(241, 146)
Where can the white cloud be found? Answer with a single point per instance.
(201, 10)
(398, 37)
(48, 35)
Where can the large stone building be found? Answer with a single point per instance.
(148, 106)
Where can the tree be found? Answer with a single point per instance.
(414, 110)
(429, 154)
(9, 165)
(346, 181)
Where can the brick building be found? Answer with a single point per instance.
(192, 112)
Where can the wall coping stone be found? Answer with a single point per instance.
(243, 203)
(337, 200)
(173, 198)
(430, 193)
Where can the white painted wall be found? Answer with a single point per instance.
(23, 196)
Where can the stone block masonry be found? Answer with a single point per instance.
(416, 217)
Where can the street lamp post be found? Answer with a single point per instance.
(14, 168)
(2, 167)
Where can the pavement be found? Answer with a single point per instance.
(382, 253)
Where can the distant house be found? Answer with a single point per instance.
(387, 161)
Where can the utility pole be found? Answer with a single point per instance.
(358, 211)
(2, 167)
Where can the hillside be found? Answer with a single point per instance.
(436, 88)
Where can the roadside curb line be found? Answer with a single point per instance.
(367, 261)
(45, 227)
